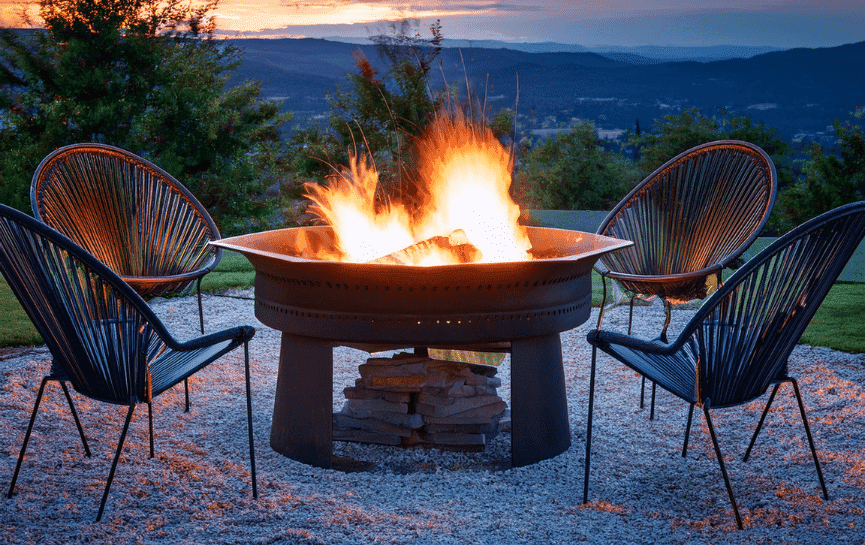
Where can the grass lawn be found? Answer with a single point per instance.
(837, 325)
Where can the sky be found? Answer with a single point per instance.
(777, 23)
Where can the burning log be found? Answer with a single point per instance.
(456, 247)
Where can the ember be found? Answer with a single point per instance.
(465, 178)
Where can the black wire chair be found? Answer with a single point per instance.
(738, 343)
(103, 338)
(689, 220)
(132, 215)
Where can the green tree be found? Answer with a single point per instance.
(831, 177)
(147, 76)
(377, 114)
(673, 134)
(572, 171)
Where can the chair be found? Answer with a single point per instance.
(103, 338)
(738, 342)
(132, 215)
(689, 219)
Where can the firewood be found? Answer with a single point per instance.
(456, 245)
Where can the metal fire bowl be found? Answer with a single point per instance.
(421, 306)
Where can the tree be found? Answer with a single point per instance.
(377, 115)
(831, 177)
(670, 136)
(147, 76)
(673, 134)
(571, 171)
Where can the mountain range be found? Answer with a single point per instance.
(798, 91)
(646, 54)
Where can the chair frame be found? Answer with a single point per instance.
(53, 207)
(766, 348)
(689, 283)
(71, 341)
(47, 208)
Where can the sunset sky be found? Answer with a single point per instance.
(780, 23)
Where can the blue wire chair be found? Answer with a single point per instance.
(132, 215)
(690, 219)
(738, 343)
(103, 338)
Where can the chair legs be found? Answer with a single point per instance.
(75, 417)
(721, 463)
(664, 338)
(124, 432)
(249, 419)
(200, 310)
(33, 420)
(27, 436)
(688, 430)
(114, 463)
(684, 448)
(150, 425)
(201, 326)
(589, 426)
(804, 421)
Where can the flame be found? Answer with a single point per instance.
(465, 176)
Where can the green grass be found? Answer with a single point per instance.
(233, 271)
(837, 325)
(16, 329)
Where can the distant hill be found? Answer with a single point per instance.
(638, 53)
(800, 91)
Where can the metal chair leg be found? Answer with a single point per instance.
(186, 392)
(652, 410)
(810, 438)
(150, 425)
(27, 436)
(721, 463)
(630, 323)
(667, 319)
(688, 431)
(75, 417)
(200, 310)
(249, 420)
(643, 392)
(760, 423)
(589, 426)
(201, 326)
(114, 463)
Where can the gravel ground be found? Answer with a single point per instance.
(196, 489)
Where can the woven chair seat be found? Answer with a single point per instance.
(132, 215)
(690, 218)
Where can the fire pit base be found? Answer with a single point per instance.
(302, 426)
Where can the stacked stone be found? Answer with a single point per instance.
(414, 400)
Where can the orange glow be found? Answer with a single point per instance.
(465, 173)
(274, 15)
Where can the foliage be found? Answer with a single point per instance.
(377, 114)
(571, 171)
(830, 179)
(147, 76)
(673, 134)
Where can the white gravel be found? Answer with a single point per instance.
(196, 489)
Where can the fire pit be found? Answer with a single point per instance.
(520, 307)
